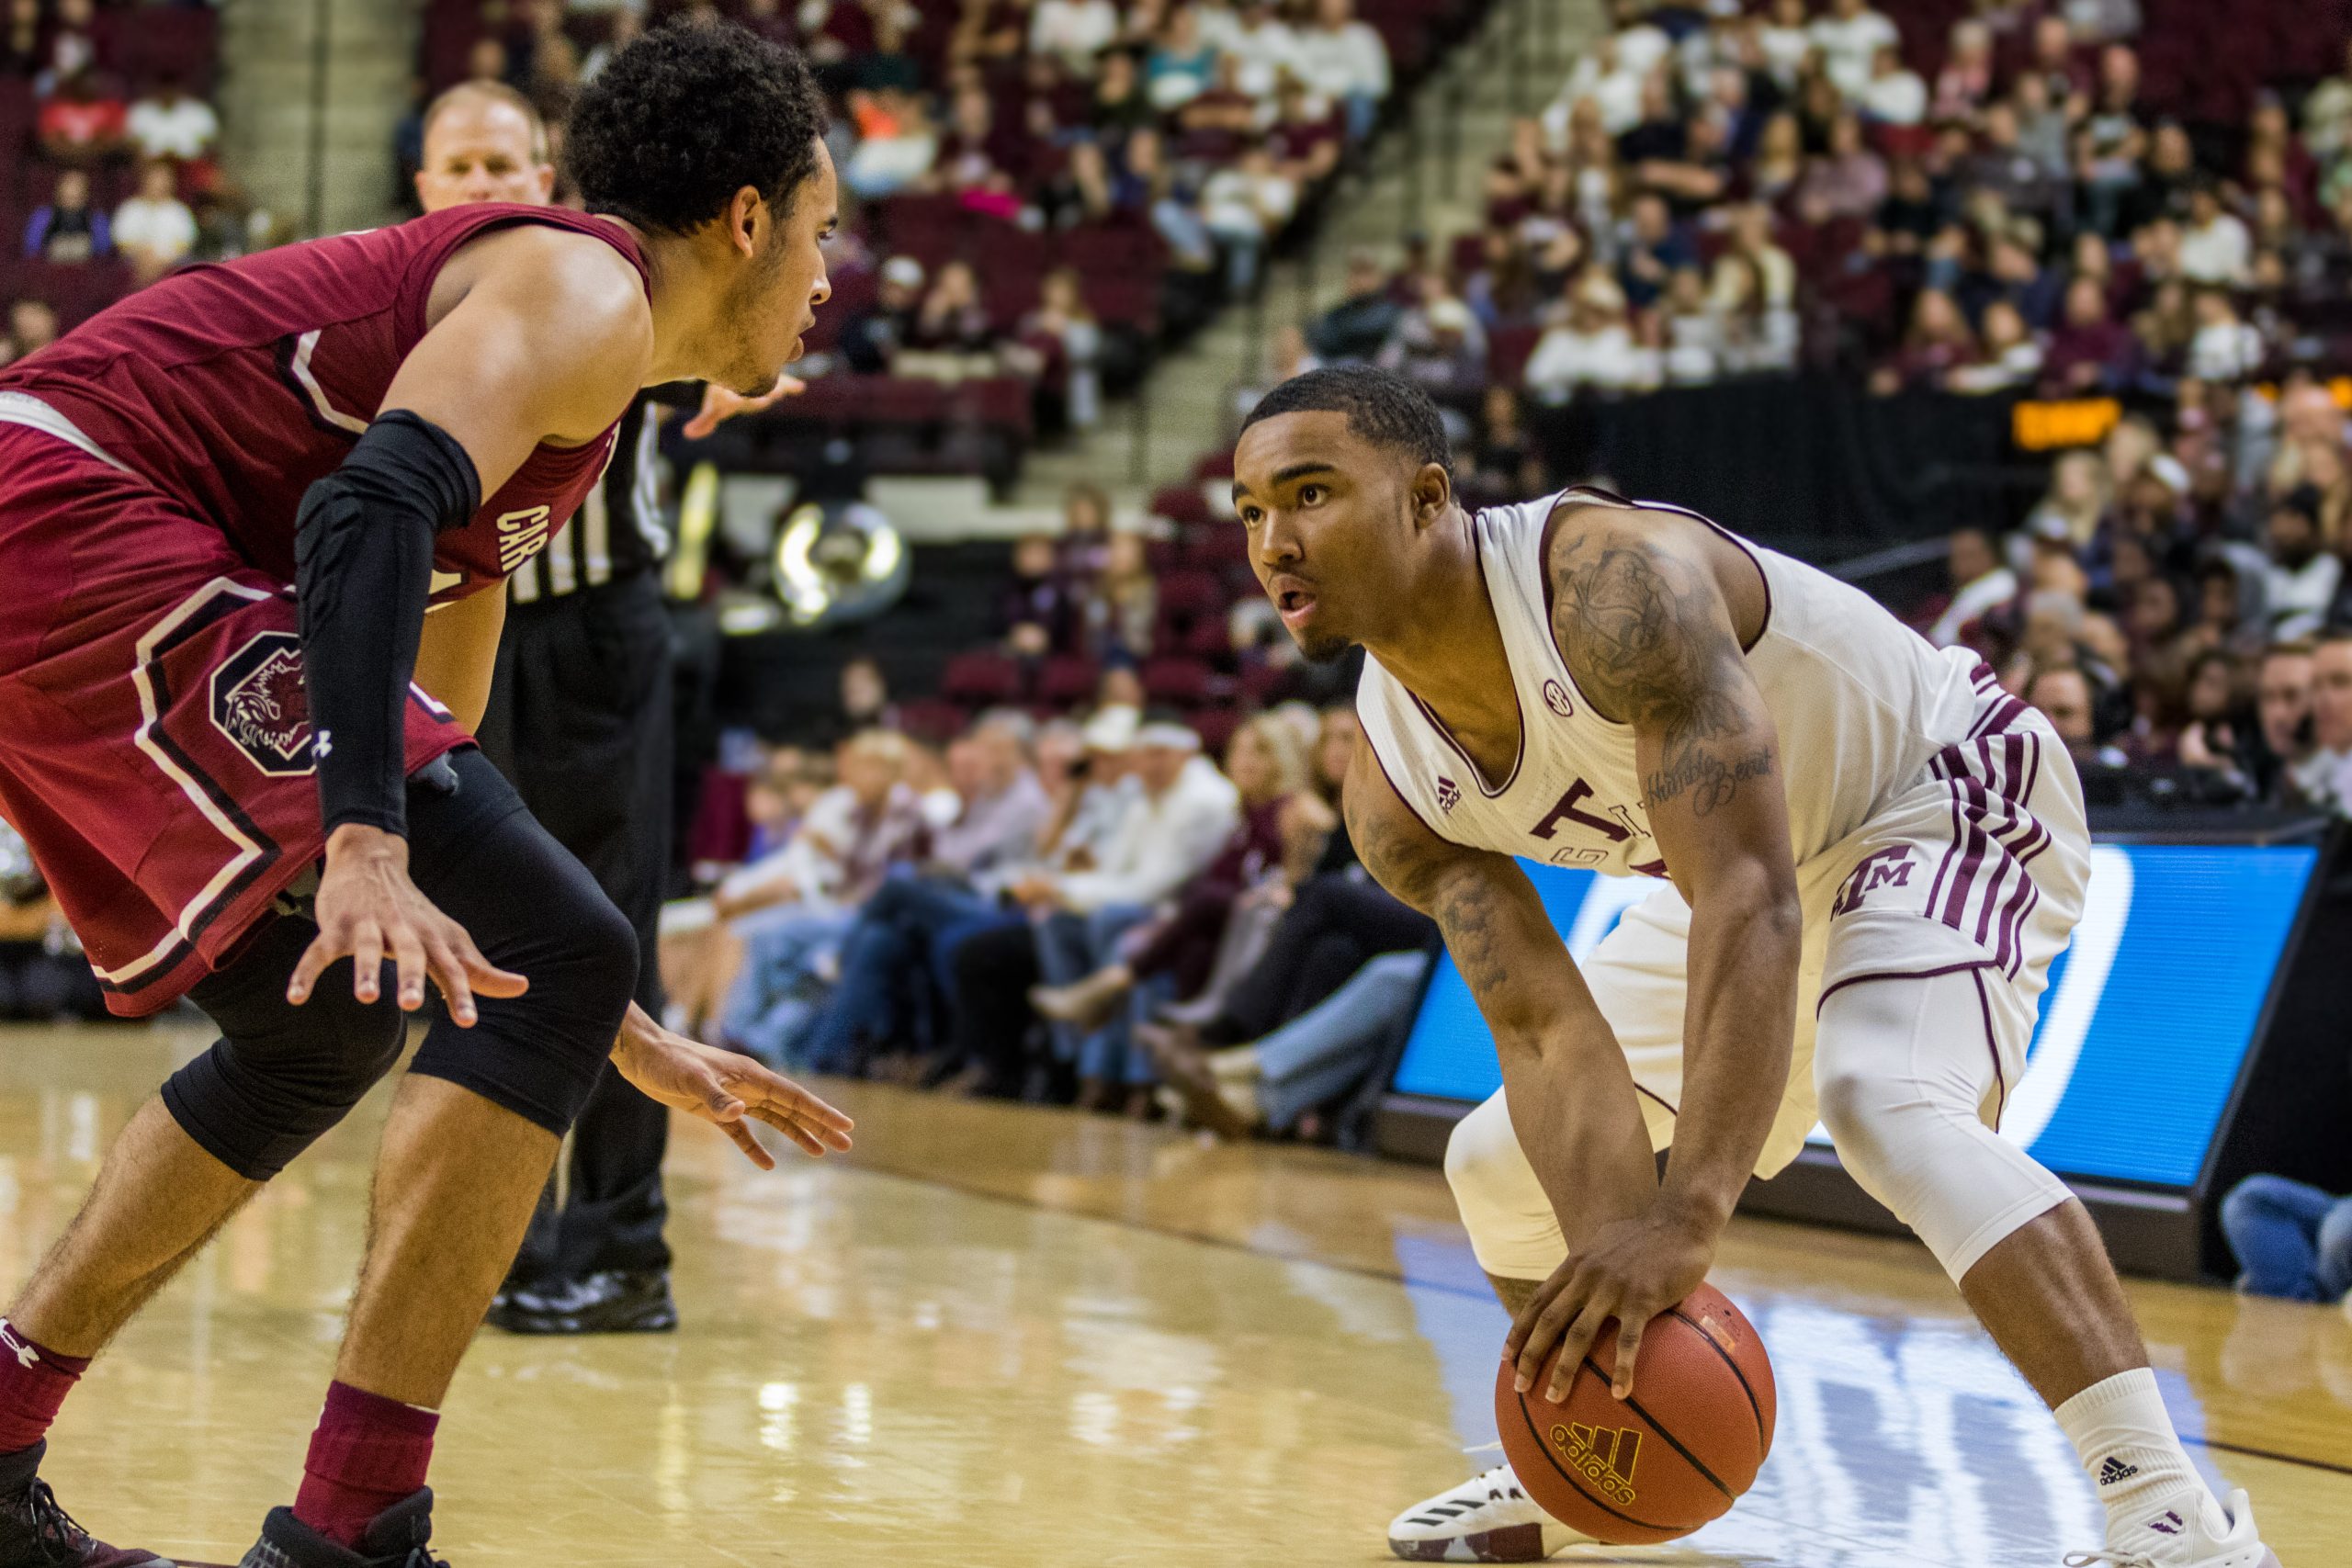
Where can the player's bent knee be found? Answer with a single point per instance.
(539, 1055)
(1511, 1226)
(280, 1075)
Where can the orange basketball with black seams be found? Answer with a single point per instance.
(1675, 1455)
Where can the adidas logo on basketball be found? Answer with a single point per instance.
(1604, 1457)
(2115, 1470)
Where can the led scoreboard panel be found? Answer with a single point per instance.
(2145, 1033)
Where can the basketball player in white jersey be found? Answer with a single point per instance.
(1867, 856)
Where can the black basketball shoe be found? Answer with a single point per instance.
(36, 1533)
(613, 1301)
(397, 1539)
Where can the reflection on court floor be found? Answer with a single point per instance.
(1001, 1336)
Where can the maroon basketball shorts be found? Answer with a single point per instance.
(154, 739)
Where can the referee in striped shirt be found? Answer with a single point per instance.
(579, 720)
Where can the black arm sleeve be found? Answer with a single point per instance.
(363, 571)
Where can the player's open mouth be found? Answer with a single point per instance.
(1295, 604)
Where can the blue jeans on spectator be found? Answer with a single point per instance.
(777, 990)
(1319, 1055)
(1069, 948)
(2291, 1240)
(909, 924)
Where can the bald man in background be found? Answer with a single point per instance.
(579, 719)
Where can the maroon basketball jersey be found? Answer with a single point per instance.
(232, 387)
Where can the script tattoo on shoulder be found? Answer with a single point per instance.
(1648, 646)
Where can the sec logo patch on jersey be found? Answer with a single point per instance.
(1555, 697)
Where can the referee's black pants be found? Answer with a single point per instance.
(579, 719)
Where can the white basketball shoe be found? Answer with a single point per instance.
(2177, 1540)
(1488, 1519)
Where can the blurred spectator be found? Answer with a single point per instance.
(1895, 95)
(1073, 31)
(1849, 36)
(952, 318)
(2327, 112)
(1345, 61)
(2007, 354)
(1121, 608)
(1966, 81)
(2090, 350)
(1183, 63)
(153, 229)
(1264, 48)
(1980, 583)
(1002, 808)
(2223, 346)
(2077, 498)
(2223, 734)
(32, 326)
(1040, 612)
(20, 38)
(81, 123)
(1592, 344)
(872, 338)
(1356, 327)
(2063, 695)
(1440, 348)
(66, 230)
(2304, 575)
(1848, 180)
(864, 703)
(1654, 248)
(2291, 1240)
(1937, 342)
(627, 24)
(1063, 323)
(2214, 245)
(2283, 707)
(2324, 778)
(170, 122)
(1246, 205)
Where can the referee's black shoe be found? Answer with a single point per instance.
(613, 1301)
(397, 1539)
(36, 1533)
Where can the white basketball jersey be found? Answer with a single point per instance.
(1861, 701)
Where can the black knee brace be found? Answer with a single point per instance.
(280, 1075)
(533, 908)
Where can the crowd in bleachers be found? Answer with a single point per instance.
(1041, 192)
(107, 170)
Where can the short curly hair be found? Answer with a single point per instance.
(685, 118)
(1382, 407)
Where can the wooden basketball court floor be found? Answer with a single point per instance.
(1002, 1335)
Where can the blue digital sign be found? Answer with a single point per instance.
(2143, 1030)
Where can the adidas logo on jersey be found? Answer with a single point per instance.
(2115, 1470)
(1449, 794)
(520, 537)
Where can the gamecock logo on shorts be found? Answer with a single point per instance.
(258, 702)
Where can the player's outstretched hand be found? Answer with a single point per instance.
(1631, 1270)
(726, 1089)
(368, 910)
(720, 404)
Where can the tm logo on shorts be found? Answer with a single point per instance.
(258, 702)
(1889, 868)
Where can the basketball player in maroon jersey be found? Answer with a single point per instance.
(225, 506)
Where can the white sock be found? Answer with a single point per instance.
(2156, 1503)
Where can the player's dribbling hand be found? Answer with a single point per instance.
(726, 1088)
(368, 910)
(720, 404)
(1631, 1270)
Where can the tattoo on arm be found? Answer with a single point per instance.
(1647, 639)
(1440, 879)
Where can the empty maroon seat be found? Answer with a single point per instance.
(1216, 727)
(1178, 682)
(1181, 503)
(979, 678)
(1190, 594)
(1067, 679)
(932, 720)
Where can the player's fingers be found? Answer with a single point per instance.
(1574, 1345)
(753, 1150)
(1549, 1325)
(482, 974)
(368, 961)
(448, 971)
(323, 951)
(1629, 1347)
(815, 1141)
(760, 1085)
(408, 966)
(1523, 1326)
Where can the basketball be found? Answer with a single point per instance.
(1672, 1457)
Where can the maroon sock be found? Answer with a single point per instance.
(34, 1381)
(368, 1454)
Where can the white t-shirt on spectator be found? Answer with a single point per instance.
(1343, 62)
(1784, 50)
(2299, 600)
(1609, 359)
(1159, 844)
(164, 229)
(1897, 99)
(1074, 29)
(1848, 45)
(184, 131)
(2224, 351)
(1640, 48)
(2220, 252)
(2324, 778)
(1265, 51)
(1996, 588)
(1237, 202)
